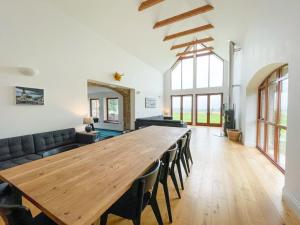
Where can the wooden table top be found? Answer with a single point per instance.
(76, 187)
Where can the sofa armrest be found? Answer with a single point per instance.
(83, 138)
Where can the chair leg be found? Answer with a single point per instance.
(175, 182)
(190, 154)
(167, 197)
(156, 211)
(184, 165)
(103, 219)
(187, 161)
(137, 221)
(180, 174)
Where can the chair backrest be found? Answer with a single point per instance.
(150, 178)
(167, 158)
(145, 187)
(189, 135)
(181, 145)
(16, 215)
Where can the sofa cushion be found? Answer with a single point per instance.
(16, 147)
(50, 140)
(18, 161)
(59, 149)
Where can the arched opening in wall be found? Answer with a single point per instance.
(111, 107)
(272, 106)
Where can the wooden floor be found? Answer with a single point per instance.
(229, 185)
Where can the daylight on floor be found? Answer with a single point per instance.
(149, 112)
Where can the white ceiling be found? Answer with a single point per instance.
(120, 22)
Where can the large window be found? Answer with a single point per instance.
(94, 108)
(112, 109)
(209, 72)
(183, 75)
(272, 116)
(210, 69)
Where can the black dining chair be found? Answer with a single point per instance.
(12, 211)
(20, 215)
(180, 159)
(187, 151)
(9, 195)
(168, 158)
(142, 193)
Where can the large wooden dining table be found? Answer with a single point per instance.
(76, 187)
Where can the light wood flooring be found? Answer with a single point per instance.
(229, 184)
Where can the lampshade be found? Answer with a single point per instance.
(88, 120)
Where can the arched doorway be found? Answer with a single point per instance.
(118, 105)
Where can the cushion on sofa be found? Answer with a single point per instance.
(59, 149)
(18, 161)
(16, 147)
(54, 139)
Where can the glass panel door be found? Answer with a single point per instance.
(187, 108)
(272, 116)
(182, 108)
(271, 141)
(176, 107)
(283, 102)
(209, 109)
(261, 135)
(215, 110)
(282, 147)
(202, 109)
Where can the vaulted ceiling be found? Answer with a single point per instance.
(120, 22)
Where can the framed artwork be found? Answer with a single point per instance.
(150, 103)
(29, 96)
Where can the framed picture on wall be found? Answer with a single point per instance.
(29, 96)
(150, 102)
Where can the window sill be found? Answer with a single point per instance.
(111, 121)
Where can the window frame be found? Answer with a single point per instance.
(264, 86)
(181, 107)
(107, 110)
(91, 107)
(209, 70)
(208, 123)
(181, 73)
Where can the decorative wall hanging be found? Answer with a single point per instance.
(150, 103)
(29, 96)
(118, 76)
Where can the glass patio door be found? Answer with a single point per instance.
(182, 108)
(209, 109)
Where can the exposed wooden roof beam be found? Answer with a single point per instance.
(148, 3)
(187, 32)
(200, 41)
(183, 16)
(191, 56)
(195, 51)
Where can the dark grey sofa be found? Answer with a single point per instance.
(158, 121)
(19, 150)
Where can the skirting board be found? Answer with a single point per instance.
(291, 202)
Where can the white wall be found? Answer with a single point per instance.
(273, 37)
(67, 54)
(102, 110)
